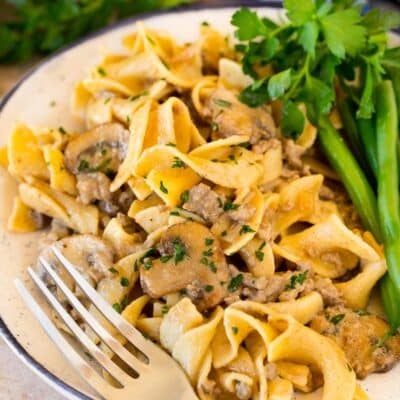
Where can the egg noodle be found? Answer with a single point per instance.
(232, 247)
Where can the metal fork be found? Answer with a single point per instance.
(159, 377)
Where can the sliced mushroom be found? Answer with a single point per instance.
(99, 150)
(91, 255)
(192, 260)
(231, 117)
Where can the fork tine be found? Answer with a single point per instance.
(95, 351)
(81, 366)
(105, 336)
(127, 330)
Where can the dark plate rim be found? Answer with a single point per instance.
(5, 332)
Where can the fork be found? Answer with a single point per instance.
(159, 377)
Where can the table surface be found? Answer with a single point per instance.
(18, 382)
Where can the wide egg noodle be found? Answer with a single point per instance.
(302, 345)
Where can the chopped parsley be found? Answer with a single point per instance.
(235, 330)
(117, 307)
(83, 166)
(113, 270)
(259, 253)
(245, 145)
(246, 229)
(208, 241)
(124, 302)
(205, 23)
(208, 253)
(124, 282)
(204, 260)
(212, 266)
(150, 39)
(297, 279)
(228, 206)
(165, 258)
(107, 100)
(164, 309)
(163, 188)
(179, 251)
(137, 96)
(62, 130)
(136, 265)
(209, 288)
(164, 63)
(337, 318)
(147, 264)
(235, 282)
(362, 313)
(171, 144)
(224, 233)
(184, 196)
(178, 163)
(222, 103)
(101, 71)
(175, 213)
(214, 126)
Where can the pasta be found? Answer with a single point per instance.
(232, 247)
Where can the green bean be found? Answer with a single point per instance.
(351, 175)
(390, 300)
(368, 138)
(388, 193)
(347, 113)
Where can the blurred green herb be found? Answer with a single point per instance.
(43, 26)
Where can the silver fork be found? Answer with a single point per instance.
(159, 377)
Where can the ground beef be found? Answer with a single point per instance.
(231, 117)
(362, 336)
(242, 214)
(271, 371)
(204, 202)
(292, 153)
(93, 186)
(330, 295)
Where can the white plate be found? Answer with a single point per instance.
(31, 102)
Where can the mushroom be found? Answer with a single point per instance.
(191, 260)
(99, 150)
(92, 256)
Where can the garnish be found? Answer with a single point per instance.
(246, 229)
(178, 163)
(222, 103)
(101, 71)
(208, 241)
(337, 318)
(184, 196)
(209, 288)
(62, 130)
(297, 279)
(235, 330)
(163, 188)
(179, 251)
(113, 270)
(228, 206)
(124, 282)
(259, 253)
(235, 282)
(117, 307)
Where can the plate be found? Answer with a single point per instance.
(42, 99)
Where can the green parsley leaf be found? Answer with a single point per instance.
(278, 84)
(295, 280)
(117, 307)
(246, 229)
(179, 251)
(101, 71)
(248, 23)
(222, 103)
(343, 32)
(62, 130)
(147, 264)
(178, 163)
(83, 166)
(163, 188)
(124, 282)
(113, 270)
(165, 258)
(235, 282)
(255, 96)
(293, 120)
(378, 20)
(184, 196)
(337, 318)
(228, 206)
(212, 266)
(299, 12)
(308, 37)
(209, 288)
(208, 241)
(235, 330)
(259, 253)
(164, 309)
